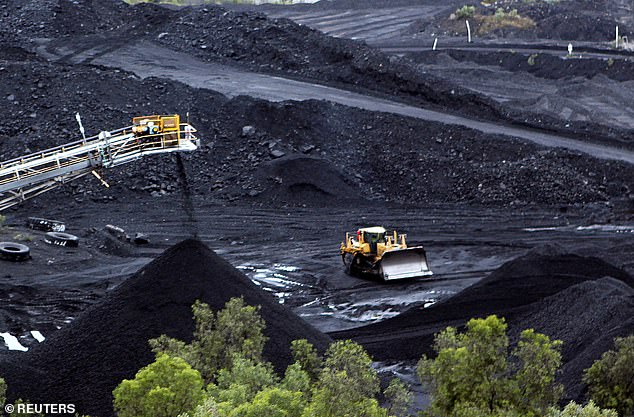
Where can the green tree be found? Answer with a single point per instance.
(473, 375)
(398, 397)
(165, 388)
(347, 384)
(273, 402)
(575, 410)
(296, 379)
(240, 382)
(236, 329)
(539, 358)
(611, 379)
(306, 355)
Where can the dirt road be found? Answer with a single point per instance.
(150, 60)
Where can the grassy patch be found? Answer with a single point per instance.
(502, 20)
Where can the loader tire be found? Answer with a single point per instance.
(14, 252)
(61, 239)
(348, 262)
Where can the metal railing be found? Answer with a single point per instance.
(30, 175)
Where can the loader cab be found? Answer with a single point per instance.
(374, 237)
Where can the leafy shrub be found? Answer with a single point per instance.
(465, 12)
(474, 375)
(610, 379)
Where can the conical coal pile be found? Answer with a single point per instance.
(82, 363)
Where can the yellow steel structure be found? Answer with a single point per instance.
(374, 251)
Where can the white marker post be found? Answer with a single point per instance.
(616, 38)
(468, 31)
(81, 127)
(569, 49)
(435, 43)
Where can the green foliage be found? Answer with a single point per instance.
(399, 398)
(3, 391)
(575, 410)
(465, 12)
(611, 379)
(501, 20)
(241, 381)
(347, 384)
(165, 388)
(473, 374)
(237, 329)
(273, 402)
(16, 407)
(306, 356)
(296, 379)
(2, 220)
(531, 59)
(539, 358)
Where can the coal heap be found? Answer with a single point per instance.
(514, 291)
(586, 317)
(85, 361)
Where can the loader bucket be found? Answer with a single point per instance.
(404, 263)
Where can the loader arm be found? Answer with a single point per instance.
(31, 175)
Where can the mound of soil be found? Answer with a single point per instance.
(512, 291)
(586, 317)
(85, 361)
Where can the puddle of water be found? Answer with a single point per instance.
(371, 310)
(610, 228)
(37, 336)
(276, 279)
(12, 342)
(607, 228)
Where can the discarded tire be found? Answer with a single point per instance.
(45, 225)
(15, 252)
(61, 239)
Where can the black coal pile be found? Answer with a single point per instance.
(281, 45)
(306, 180)
(386, 157)
(586, 317)
(85, 361)
(544, 291)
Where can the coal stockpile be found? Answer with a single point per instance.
(586, 317)
(84, 362)
(281, 45)
(434, 163)
(518, 290)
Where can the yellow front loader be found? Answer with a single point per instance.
(373, 251)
